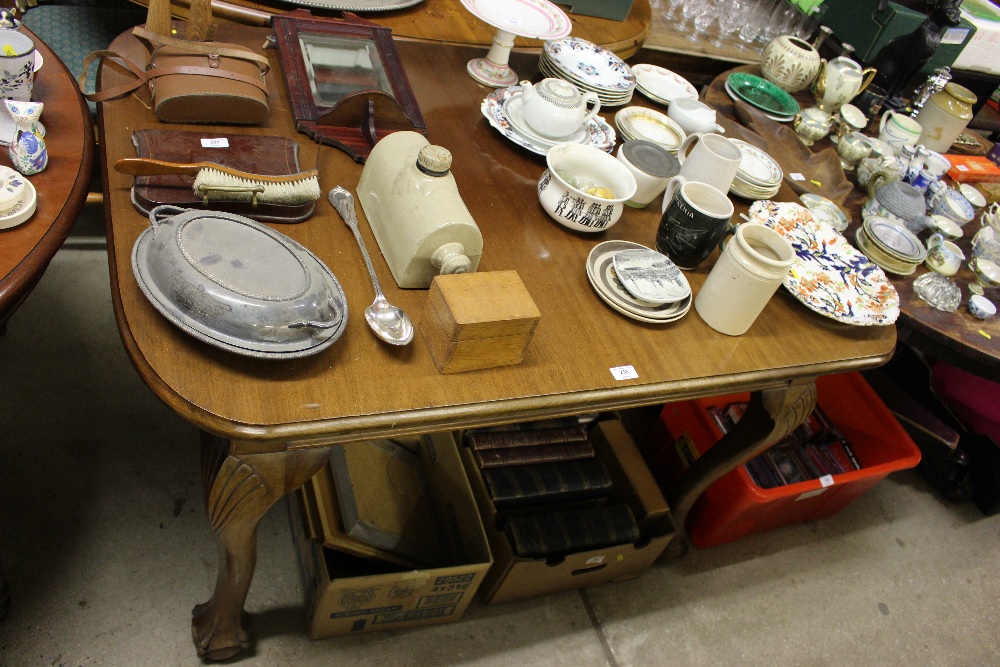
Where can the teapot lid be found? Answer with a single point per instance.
(559, 92)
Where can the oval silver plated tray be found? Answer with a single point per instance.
(356, 5)
(237, 284)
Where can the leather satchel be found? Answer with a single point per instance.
(195, 82)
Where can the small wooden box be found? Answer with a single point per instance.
(478, 320)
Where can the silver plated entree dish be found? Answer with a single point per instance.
(237, 284)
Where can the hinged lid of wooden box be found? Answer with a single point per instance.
(493, 304)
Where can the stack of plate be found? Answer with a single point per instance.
(890, 245)
(651, 125)
(759, 176)
(589, 67)
(661, 85)
(776, 103)
(619, 271)
(825, 210)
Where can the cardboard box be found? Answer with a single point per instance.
(973, 169)
(347, 595)
(980, 53)
(515, 578)
(478, 320)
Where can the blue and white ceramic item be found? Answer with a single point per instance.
(28, 153)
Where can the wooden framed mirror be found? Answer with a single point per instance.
(345, 81)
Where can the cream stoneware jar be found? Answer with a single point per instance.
(945, 115)
(749, 271)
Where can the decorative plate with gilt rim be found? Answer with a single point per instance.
(585, 62)
(830, 276)
(357, 5)
(661, 85)
(596, 132)
(538, 19)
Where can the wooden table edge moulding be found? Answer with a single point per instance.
(268, 425)
(61, 187)
(444, 22)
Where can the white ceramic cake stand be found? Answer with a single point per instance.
(535, 19)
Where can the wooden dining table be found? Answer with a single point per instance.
(268, 425)
(27, 249)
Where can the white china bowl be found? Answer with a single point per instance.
(975, 197)
(981, 307)
(572, 207)
(987, 272)
(953, 204)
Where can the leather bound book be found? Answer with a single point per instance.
(568, 531)
(480, 440)
(255, 154)
(516, 486)
(517, 456)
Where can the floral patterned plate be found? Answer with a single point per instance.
(596, 132)
(587, 63)
(661, 85)
(830, 276)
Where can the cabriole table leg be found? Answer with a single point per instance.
(770, 416)
(239, 489)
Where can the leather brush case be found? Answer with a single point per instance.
(257, 154)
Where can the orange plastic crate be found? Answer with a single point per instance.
(735, 506)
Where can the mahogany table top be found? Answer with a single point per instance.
(359, 387)
(444, 21)
(26, 250)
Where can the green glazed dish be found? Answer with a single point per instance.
(762, 94)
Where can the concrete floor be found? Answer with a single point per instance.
(106, 547)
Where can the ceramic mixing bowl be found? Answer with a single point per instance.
(584, 188)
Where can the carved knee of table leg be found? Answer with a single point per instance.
(771, 415)
(240, 490)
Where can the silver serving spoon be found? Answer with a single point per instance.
(387, 321)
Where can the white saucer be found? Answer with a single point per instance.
(600, 273)
(22, 210)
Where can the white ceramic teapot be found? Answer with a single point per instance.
(555, 108)
(840, 81)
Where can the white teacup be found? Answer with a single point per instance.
(693, 116)
(651, 165)
(714, 160)
(936, 163)
(17, 65)
(898, 130)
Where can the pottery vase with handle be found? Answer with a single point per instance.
(790, 63)
(839, 81)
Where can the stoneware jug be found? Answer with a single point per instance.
(790, 63)
(555, 108)
(839, 81)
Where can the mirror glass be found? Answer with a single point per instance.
(339, 66)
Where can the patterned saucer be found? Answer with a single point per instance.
(596, 132)
(661, 85)
(584, 62)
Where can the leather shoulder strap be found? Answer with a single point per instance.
(116, 91)
(207, 48)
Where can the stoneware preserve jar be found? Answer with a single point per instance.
(790, 62)
(944, 116)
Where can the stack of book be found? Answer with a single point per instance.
(549, 489)
(813, 450)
